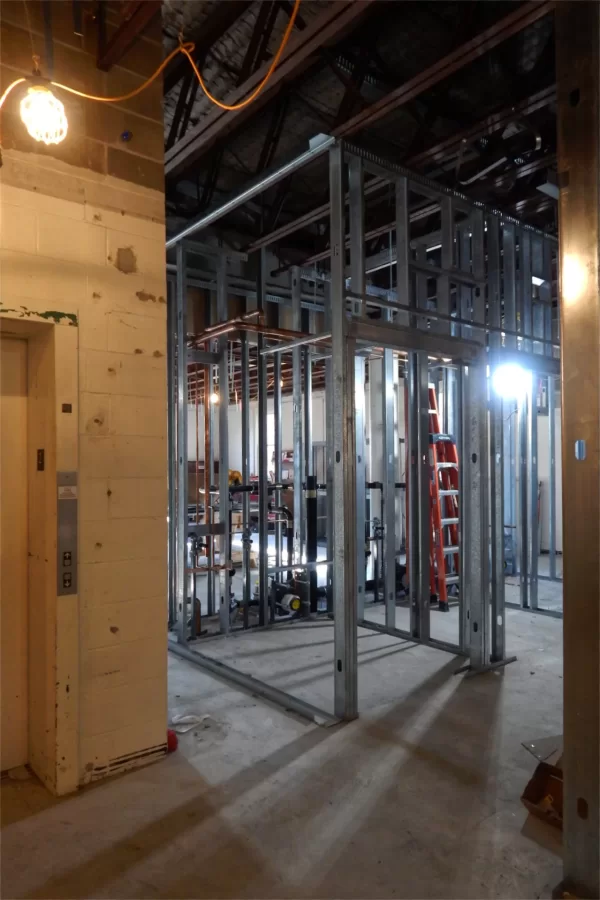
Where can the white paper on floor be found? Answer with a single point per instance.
(182, 724)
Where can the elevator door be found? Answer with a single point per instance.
(13, 553)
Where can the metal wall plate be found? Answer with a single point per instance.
(66, 514)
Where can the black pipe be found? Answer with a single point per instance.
(271, 488)
(311, 538)
(289, 534)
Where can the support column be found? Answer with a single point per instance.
(342, 436)
(577, 32)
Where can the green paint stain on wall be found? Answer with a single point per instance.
(53, 315)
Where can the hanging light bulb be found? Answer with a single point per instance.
(43, 115)
(214, 397)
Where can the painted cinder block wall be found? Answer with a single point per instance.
(82, 243)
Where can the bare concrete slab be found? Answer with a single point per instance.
(418, 798)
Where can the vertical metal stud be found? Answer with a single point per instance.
(478, 268)
(443, 282)
(526, 328)
(277, 451)
(498, 630)
(403, 249)
(246, 539)
(297, 416)
(533, 496)
(523, 516)
(509, 272)
(344, 462)
(357, 275)
(552, 478)
(182, 477)
(412, 478)
(172, 452)
(263, 496)
(474, 556)
(225, 537)
(493, 280)
(423, 493)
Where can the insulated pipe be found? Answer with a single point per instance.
(253, 190)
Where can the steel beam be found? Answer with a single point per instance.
(398, 337)
(335, 21)
(212, 29)
(496, 34)
(450, 147)
(578, 89)
(253, 190)
(137, 16)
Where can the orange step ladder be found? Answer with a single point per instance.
(444, 494)
(443, 506)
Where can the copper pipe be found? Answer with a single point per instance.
(238, 325)
(238, 320)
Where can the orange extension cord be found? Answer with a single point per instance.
(187, 49)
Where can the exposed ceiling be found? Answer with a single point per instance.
(460, 91)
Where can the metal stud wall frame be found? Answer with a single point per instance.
(472, 291)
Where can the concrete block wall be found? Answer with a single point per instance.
(82, 244)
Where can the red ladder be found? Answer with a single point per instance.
(444, 552)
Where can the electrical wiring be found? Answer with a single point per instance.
(9, 89)
(187, 48)
(262, 84)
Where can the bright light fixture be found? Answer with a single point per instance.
(214, 397)
(43, 115)
(535, 279)
(511, 381)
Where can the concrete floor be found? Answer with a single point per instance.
(417, 798)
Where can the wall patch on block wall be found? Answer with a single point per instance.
(144, 296)
(126, 260)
